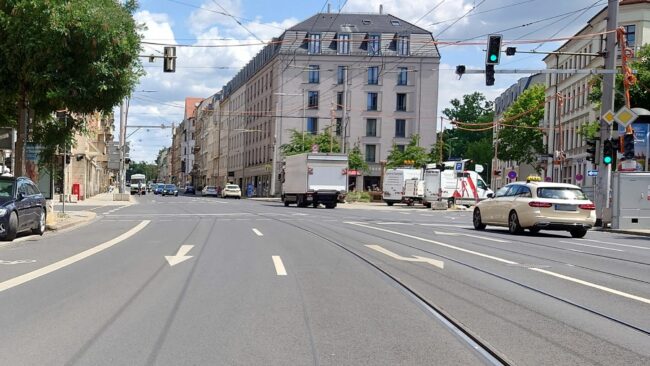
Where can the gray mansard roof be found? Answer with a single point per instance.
(357, 23)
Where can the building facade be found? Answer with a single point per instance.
(567, 107)
(369, 79)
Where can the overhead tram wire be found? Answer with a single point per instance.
(219, 12)
(458, 20)
(484, 11)
(431, 11)
(237, 21)
(568, 24)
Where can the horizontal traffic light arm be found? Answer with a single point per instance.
(546, 71)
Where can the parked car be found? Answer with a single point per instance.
(170, 190)
(190, 190)
(210, 191)
(158, 188)
(231, 190)
(22, 207)
(536, 205)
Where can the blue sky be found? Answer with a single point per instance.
(202, 71)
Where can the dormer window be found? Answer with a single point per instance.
(374, 45)
(403, 45)
(313, 46)
(395, 23)
(366, 21)
(343, 44)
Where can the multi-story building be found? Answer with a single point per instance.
(501, 105)
(176, 166)
(568, 107)
(164, 173)
(371, 78)
(205, 151)
(188, 172)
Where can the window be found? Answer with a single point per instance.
(339, 100)
(312, 125)
(340, 75)
(561, 193)
(400, 128)
(313, 46)
(395, 23)
(371, 151)
(524, 192)
(372, 101)
(371, 127)
(343, 44)
(502, 191)
(630, 34)
(314, 74)
(339, 126)
(400, 148)
(312, 100)
(403, 46)
(373, 75)
(401, 102)
(374, 45)
(402, 76)
(481, 184)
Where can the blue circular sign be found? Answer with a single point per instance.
(512, 174)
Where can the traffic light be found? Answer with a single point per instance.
(169, 62)
(493, 49)
(127, 161)
(510, 51)
(489, 75)
(497, 172)
(67, 159)
(592, 147)
(608, 152)
(628, 146)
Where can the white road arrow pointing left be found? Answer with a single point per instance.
(180, 255)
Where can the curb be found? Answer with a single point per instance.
(628, 232)
(73, 223)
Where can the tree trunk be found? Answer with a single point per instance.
(19, 153)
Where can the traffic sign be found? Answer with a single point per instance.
(459, 166)
(608, 117)
(625, 116)
(592, 173)
(579, 177)
(512, 174)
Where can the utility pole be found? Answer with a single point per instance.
(603, 182)
(122, 146)
(344, 120)
(442, 142)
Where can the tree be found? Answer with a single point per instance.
(356, 160)
(149, 170)
(639, 92)
(412, 152)
(76, 55)
(520, 139)
(302, 142)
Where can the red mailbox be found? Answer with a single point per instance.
(76, 190)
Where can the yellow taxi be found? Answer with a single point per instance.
(537, 205)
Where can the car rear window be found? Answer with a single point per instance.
(561, 193)
(170, 186)
(232, 187)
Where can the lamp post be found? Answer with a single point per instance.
(277, 138)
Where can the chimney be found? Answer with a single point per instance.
(329, 7)
(381, 9)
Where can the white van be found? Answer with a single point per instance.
(463, 187)
(394, 181)
(432, 189)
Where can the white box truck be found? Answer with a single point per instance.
(432, 188)
(138, 181)
(313, 179)
(394, 181)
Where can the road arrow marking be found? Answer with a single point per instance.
(416, 258)
(279, 266)
(257, 232)
(180, 256)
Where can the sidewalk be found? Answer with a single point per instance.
(639, 232)
(102, 199)
(57, 221)
(382, 206)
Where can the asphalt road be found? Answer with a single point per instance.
(255, 283)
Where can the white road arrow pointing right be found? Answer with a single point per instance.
(417, 258)
(180, 255)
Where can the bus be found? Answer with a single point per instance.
(138, 180)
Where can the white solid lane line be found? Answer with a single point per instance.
(257, 232)
(471, 236)
(279, 266)
(617, 244)
(585, 283)
(16, 281)
(591, 246)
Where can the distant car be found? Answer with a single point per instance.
(231, 190)
(158, 188)
(536, 205)
(170, 190)
(190, 190)
(210, 191)
(22, 207)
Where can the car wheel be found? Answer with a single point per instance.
(330, 205)
(40, 228)
(314, 205)
(578, 233)
(476, 219)
(513, 223)
(534, 230)
(12, 228)
(286, 203)
(389, 203)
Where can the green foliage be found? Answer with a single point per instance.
(79, 55)
(358, 197)
(149, 170)
(590, 130)
(412, 151)
(302, 142)
(356, 160)
(639, 92)
(523, 144)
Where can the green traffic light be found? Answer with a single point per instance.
(607, 159)
(493, 58)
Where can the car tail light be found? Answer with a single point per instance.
(540, 204)
(587, 206)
